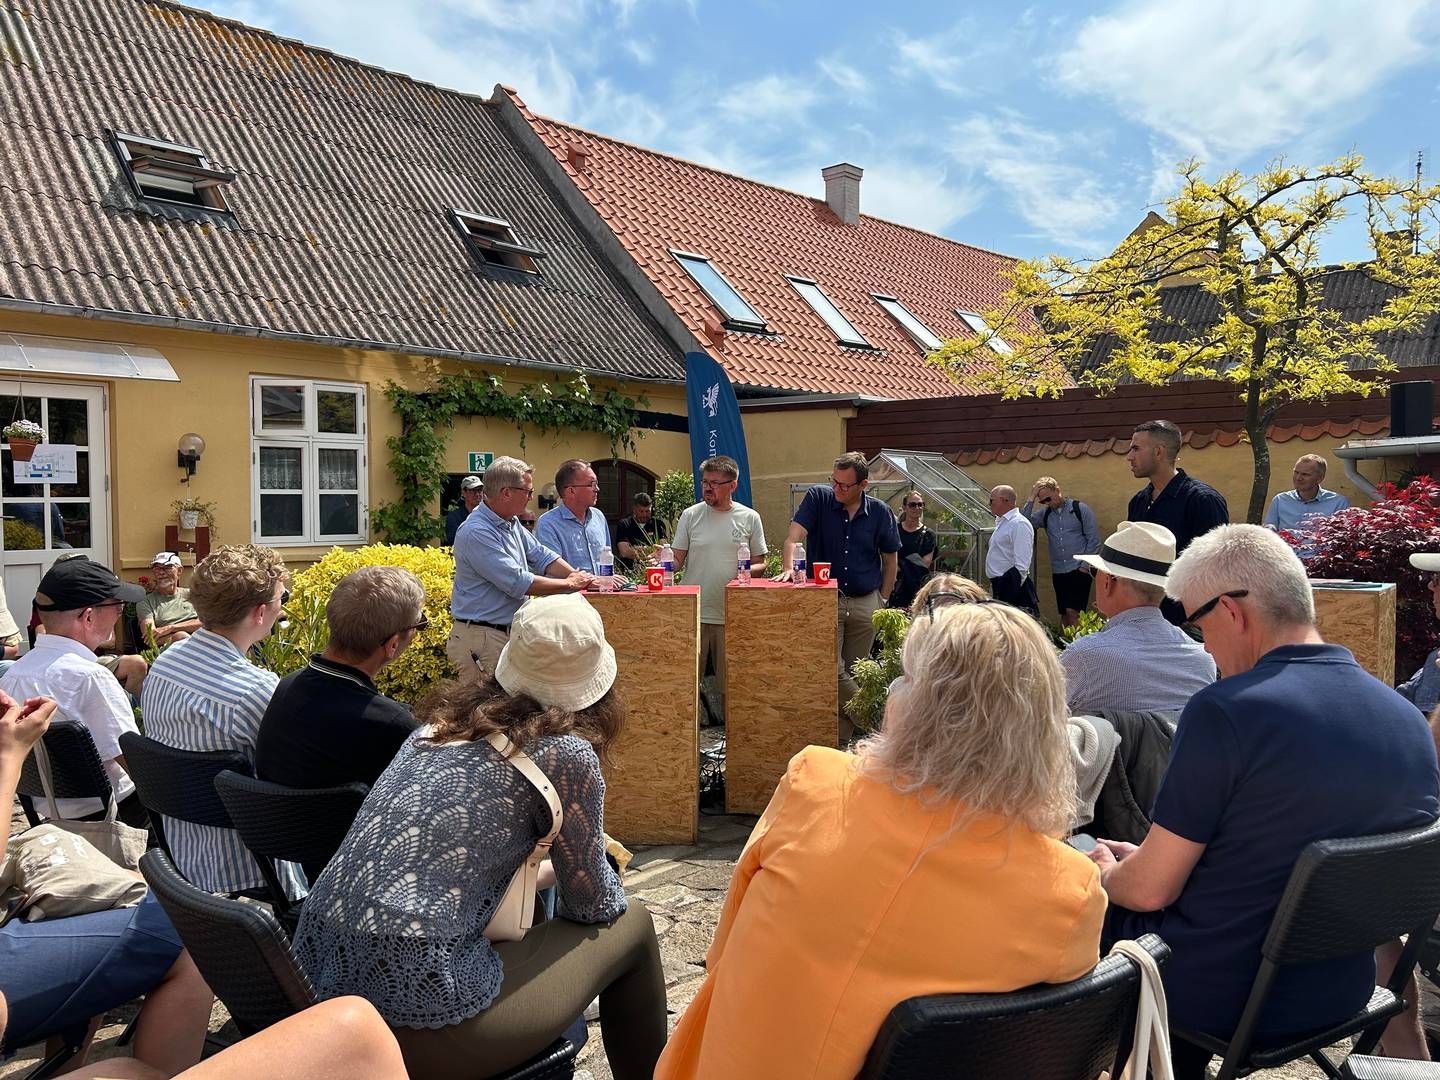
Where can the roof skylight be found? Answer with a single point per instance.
(980, 326)
(843, 329)
(171, 172)
(738, 314)
(923, 335)
(492, 242)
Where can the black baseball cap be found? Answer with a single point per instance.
(77, 582)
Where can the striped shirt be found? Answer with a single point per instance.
(1139, 662)
(202, 694)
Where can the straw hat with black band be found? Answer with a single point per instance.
(1137, 550)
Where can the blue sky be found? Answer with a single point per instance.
(1027, 130)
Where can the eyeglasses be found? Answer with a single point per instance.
(844, 486)
(915, 506)
(109, 604)
(528, 491)
(1205, 608)
(419, 627)
(529, 523)
(715, 483)
(593, 486)
(950, 599)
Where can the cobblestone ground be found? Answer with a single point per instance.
(684, 888)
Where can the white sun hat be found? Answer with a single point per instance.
(1426, 560)
(557, 653)
(1137, 550)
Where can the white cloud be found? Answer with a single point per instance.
(642, 51)
(1034, 170)
(849, 80)
(770, 99)
(1236, 77)
(941, 59)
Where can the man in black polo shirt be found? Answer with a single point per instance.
(327, 724)
(1187, 507)
(858, 537)
(639, 531)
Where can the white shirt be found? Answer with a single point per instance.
(1011, 545)
(63, 669)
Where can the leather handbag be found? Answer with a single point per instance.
(123, 844)
(516, 911)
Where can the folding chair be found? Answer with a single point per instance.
(1065, 1031)
(1344, 897)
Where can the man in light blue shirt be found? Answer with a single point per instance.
(1298, 510)
(498, 563)
(1070, 530)
(576, 528)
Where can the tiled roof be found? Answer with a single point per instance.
(345, 174)
(756, 234)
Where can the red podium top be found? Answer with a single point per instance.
(771, 583)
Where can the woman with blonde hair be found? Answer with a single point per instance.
(929, 861)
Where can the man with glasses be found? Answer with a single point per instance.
(166, 614)
(576, 528)
(1139, 662)
(79, 602)
(498, 563)
(327, 724)
(1070, 531)
(1010, 555)
(707, 544)
(917, 550)
(856, 534)
(1295, 743)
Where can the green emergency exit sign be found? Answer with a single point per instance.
(479, 462)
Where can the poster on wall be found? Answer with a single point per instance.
(53, 463)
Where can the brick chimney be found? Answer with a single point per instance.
(577, 156)
(842, 191)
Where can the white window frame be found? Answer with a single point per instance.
(975, 321)
(850, 335)
(892, 306)
(733, 322)
(311, 441)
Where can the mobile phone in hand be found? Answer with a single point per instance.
(1082, 842)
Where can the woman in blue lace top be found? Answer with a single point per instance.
(399, 915)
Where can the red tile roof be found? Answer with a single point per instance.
(756, 234)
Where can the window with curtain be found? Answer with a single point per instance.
(308, 462)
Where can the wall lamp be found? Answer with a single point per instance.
(188, 455)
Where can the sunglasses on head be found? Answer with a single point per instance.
(937, 600)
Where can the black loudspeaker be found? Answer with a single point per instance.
(1412, 409)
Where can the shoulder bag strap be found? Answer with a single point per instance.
(533, 773)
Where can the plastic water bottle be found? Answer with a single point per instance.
(667, 563)
(798, 564)
(742, 558)
(605, 570)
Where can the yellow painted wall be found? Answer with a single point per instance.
(212, 398)
(1106, 484)
(790, 446)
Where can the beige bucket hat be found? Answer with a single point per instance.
(557, 653)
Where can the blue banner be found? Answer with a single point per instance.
(715, 426)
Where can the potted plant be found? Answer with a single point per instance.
(23, 436)
(192, 512)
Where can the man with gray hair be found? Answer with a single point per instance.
(328, 724)
(1307, 502)
(498, 563)
(1296, 743)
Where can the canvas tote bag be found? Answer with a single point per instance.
(124, 844)
(516, 911)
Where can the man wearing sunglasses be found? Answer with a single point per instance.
(1295, 743)
(79, 602)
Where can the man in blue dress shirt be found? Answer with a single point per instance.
(1298, 510)
(857, 535)
(498, 563)
(577, 529)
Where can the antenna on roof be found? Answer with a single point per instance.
(1415, 214)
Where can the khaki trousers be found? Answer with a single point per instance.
(854, 637)
(474, 650)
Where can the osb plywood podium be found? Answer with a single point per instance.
(1363, 620)
(652, 781)
(780, 684)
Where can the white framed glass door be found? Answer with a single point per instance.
(41, 521)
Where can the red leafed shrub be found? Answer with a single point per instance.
(1374, 543)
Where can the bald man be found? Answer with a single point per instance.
(1011, 552)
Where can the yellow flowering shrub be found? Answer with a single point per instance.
(416, 669)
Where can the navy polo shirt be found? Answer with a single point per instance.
(1189, 508)
(852, 546)
(1304, 746)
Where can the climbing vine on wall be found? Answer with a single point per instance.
(417, 454)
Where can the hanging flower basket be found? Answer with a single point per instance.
(189, 519)
(23, 436)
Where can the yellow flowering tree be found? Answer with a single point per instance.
(1252, 244)
(416, 669)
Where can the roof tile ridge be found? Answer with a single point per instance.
(538, 119)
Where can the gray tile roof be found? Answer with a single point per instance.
(339, 228)
(1186, 309)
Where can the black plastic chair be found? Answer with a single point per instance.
(75, 769)
(1065, 1031)
(179, 783)
(247, 960)
(296, 825)
(1344, 897)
